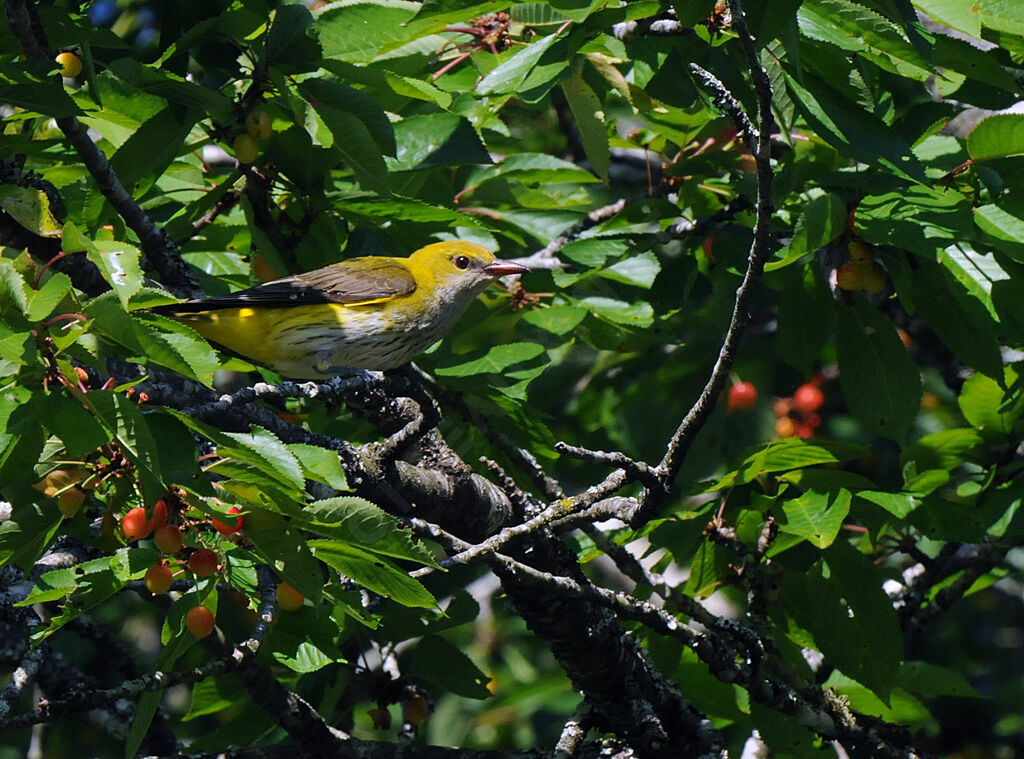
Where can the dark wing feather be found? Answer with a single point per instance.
(354, 281)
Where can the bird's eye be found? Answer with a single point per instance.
(461, 262)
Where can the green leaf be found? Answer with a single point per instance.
(150, 149)
(558, 320)
(882, 386)
(998, 136)
(320, 464)
(638, 314)
(495, 361)
(897, 504)
(852, 27)
(214, 694)
(982, 403)
(77, 428)
(373, 572)
(175, 346)
(918, 219)
(855, 133)
(46, 298)
(358, 31)
(334, 96)
(821, 221)
(13, 286)
(438, 661)
(946, 449)
(29, 86)
(588, 113)
(162, 83)
(358, 522)
(118, 262)
(840, 602)
(30, 207)
(960, 320)
(263, 450)
(511, 75)
(284, 548)
(1003, 222)
(806, 313)
(357, 146)
(436, 139)
(930, 680)
(964, 15)
(788, 453)
(638, 271)
(816, 516)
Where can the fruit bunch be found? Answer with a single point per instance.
(258, 127)
(797, 415)
(862, 272)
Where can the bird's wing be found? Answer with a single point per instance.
(357, 280)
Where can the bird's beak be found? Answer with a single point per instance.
(499, 268)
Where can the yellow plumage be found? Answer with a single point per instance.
(376, 312)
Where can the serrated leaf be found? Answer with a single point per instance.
(373, 572)
(436, 139)
(806, 315)
(816, 516)
(639, 271)
(588, 114)
(30, 207)
(118, 262)
(45, 299)
(175, 346)
(320, 464)
(262, 449)
(358, 31)
(820, 222)
(897, 504)
(638, 314)
(853, 27)
(283, 547)
(339, 97)
(558, 320)
(882, 386)
(437, 660)
(913, 216)
(840, 601)
(998, 136)
(852, 131)
(357, 146)
(495, 361)
(510, 75)
(982, 403)
(360, 523)
(786, 454)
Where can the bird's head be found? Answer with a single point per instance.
(456, 270)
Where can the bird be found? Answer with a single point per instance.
(372, 312)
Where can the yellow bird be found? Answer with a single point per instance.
(376, 312)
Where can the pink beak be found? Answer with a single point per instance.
(499, 268)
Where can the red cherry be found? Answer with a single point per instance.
(159, 518)
(228, 529)
(288, 598)
(742, 396)
(785, 427)
(135, 526)
(158, 579)
(168, 539)
(199, 621)
(808, 397)
(203, 563)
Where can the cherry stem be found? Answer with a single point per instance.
(47, 265)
